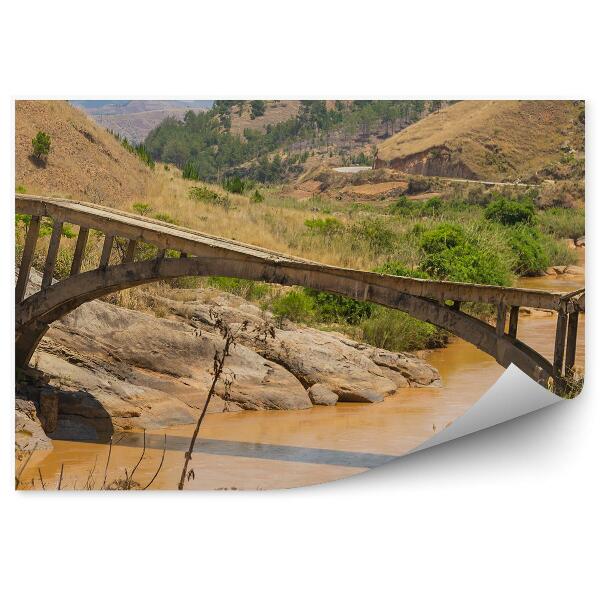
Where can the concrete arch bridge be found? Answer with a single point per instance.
(436, 302)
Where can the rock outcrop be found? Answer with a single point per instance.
(108, 368)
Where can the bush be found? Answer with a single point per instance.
(257, 197)
(248, 289)
(190, 171)
(402, 206)
(333, 307)
(400, 270)
(442, 237)
(563, 222)
(327, 226)
(142, 209)
(41, 145)
(469, 264)
(432, 206)
(398, 332)
(530, 255)
(376, 234)
(558, 252)
(295, 306)
(510, 212)
(206, 195)
(166, 217)
(235, 185)
(257, 108)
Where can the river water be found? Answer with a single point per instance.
(280, 449)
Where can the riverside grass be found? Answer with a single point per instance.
(354, 235)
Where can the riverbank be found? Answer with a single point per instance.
(281, 449)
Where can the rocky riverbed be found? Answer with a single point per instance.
(106, 368)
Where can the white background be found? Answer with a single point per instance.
(507, 513)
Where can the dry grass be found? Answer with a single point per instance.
(494, 138)
(85, 162)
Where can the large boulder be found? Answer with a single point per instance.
(110, 368)
(354, 371)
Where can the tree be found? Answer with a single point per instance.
(435, 105)
(257, 108)
(41, 145)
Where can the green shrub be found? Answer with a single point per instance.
(326, 226)
(402, 206)
(563, 222)
(530, 255)
(257, 197)
(469, 264)
(400, 270)
(340, 309)
(379, 237)
(234, 185)
(294, 305)
(558, 252)
(396, 331)
(41, 145)
(142, 209)
(248, 289)
(510, 212)
(190, 171)
(442, 237)
(206, 195)
(432, 206)
(166, 217)
(68, 232)
(20, 189)
(257, 108)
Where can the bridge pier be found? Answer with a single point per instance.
(571, 343)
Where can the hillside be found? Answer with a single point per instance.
(492, 140)
(134, 119)
(276, 111)
(86, 162)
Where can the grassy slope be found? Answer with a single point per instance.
(524, 136)
(85, 162)
(276, 111)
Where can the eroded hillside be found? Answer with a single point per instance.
(492, 140)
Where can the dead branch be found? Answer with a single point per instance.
(230, 338)
(139, 461)
(160, 465)
(107, 461)
(41, 479)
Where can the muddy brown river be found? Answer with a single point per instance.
(280, 449)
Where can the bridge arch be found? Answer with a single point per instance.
(39, 310)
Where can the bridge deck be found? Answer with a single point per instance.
(166, 236)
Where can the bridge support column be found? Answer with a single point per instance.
(513, 321)
(571, 342)
(27, 259)
(106, 250)
(559, 343)
(501, 320)
(79, 253)
(52, 253)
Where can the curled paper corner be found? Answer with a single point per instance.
(513, 395)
